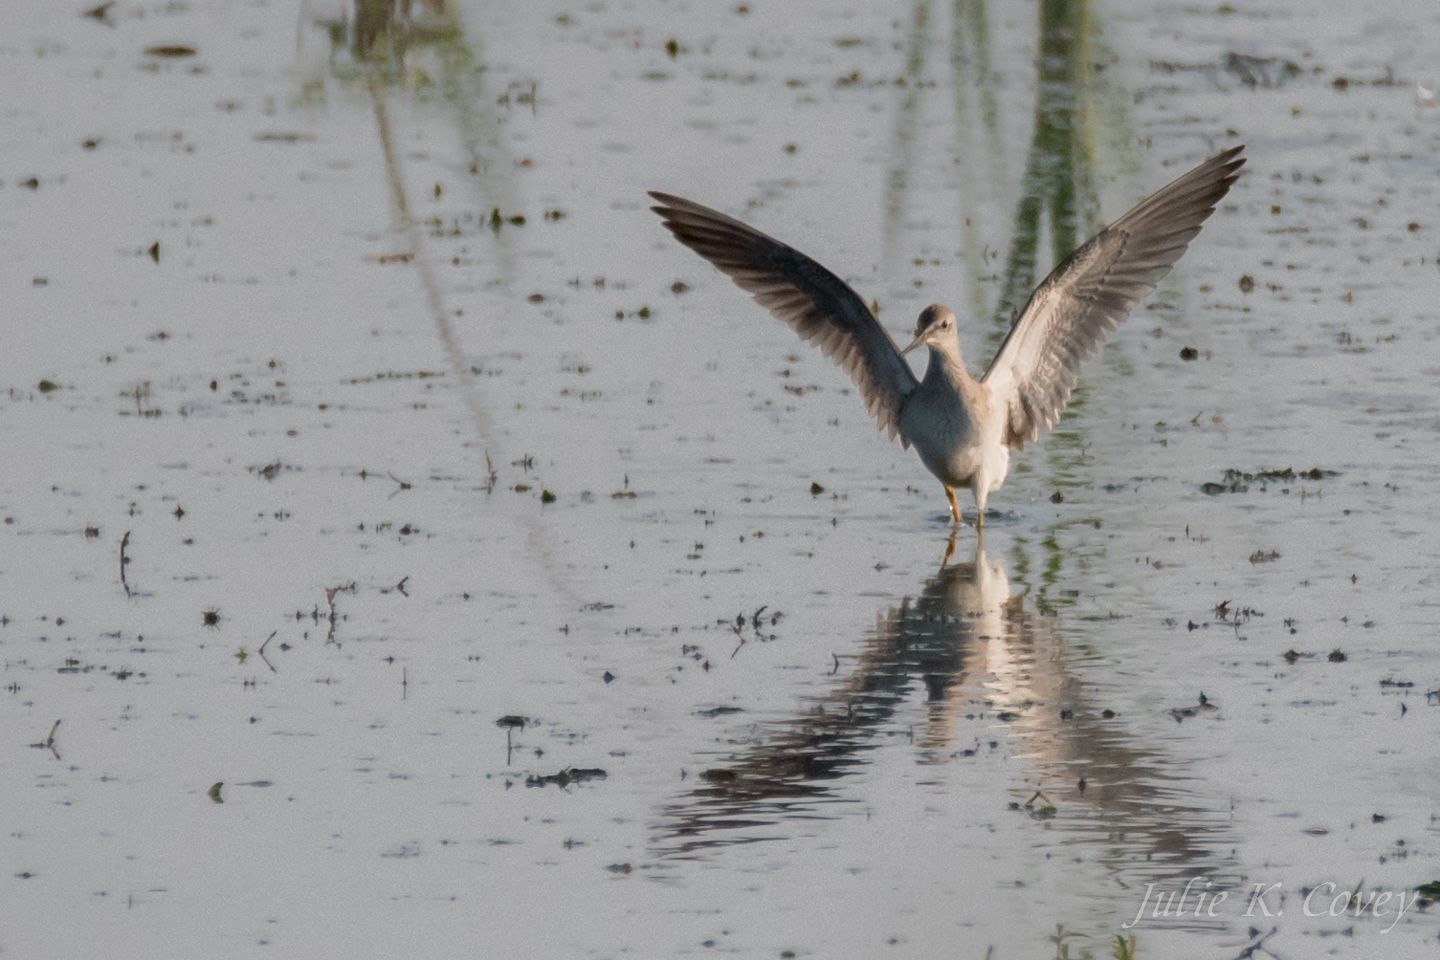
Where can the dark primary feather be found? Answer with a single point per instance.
(815, 303)
(1097, 286)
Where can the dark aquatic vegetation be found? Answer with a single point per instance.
(565, 777)
(1238, 481)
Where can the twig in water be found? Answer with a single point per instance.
(49, 742)
(1259, 945)
(261, 651)
(511, 722)
(334, 615)
(124, 562)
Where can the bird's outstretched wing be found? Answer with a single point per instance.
(815, 303)
(1095, 288)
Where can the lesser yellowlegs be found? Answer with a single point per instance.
(963, 428)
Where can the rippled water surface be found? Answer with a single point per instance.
(408, 549)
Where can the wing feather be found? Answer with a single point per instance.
(815, 303)
(1087, 296)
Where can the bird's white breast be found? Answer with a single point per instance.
(956, 435)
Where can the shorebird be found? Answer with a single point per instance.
(963, 428)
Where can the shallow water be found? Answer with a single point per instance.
(515, 507)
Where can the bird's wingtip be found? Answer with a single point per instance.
(669, 199)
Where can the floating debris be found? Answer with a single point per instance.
(101, 12)
(1040, 806)
(712, 712)
(283, 136)
(566, 777)
(49, 742)
(170, 51)
(1238, 481)
(1203, 705)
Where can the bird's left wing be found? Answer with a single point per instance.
(1097, 286)
(813, 301)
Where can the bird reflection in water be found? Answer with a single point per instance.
(988, 670)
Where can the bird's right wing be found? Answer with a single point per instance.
(813, 301)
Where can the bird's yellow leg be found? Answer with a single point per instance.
(954, 507)
(949, 548)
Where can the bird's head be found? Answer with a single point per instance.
(935, 329)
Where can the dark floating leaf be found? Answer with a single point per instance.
(170, 51)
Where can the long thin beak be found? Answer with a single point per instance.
(919, 339)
